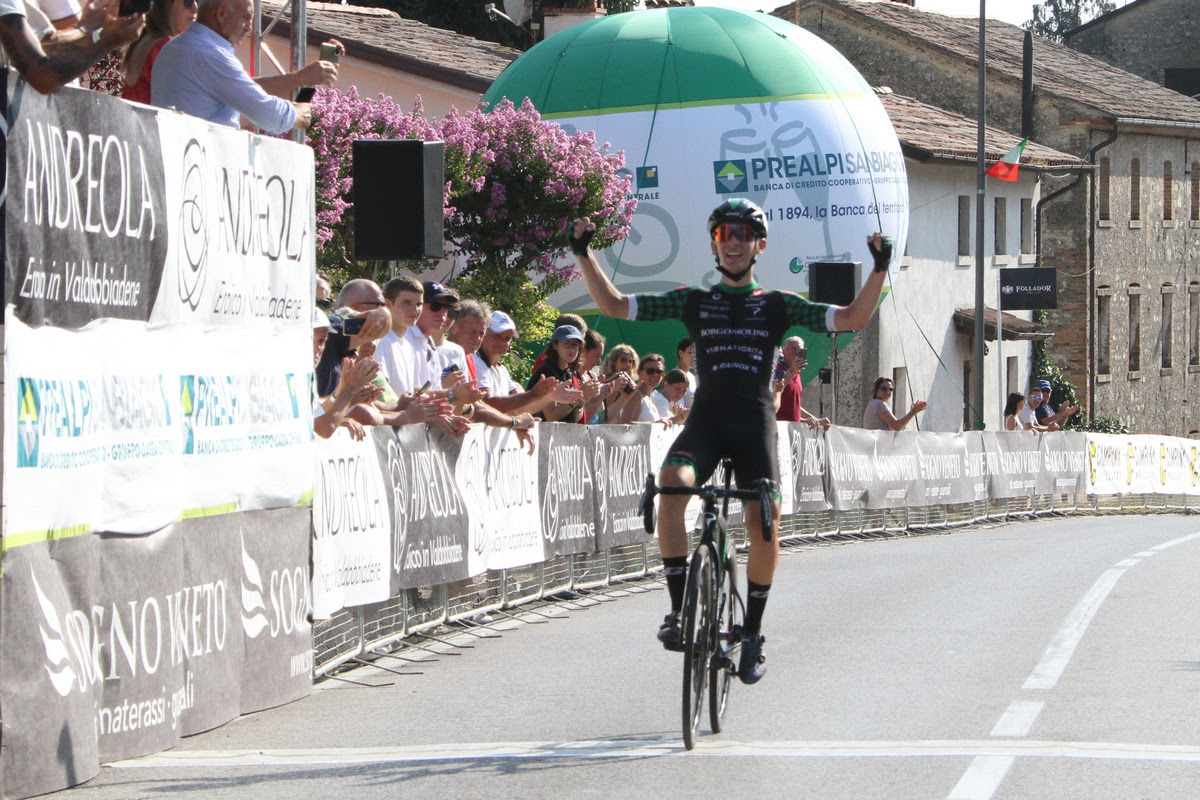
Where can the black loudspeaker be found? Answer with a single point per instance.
(833, 282)
(398, 199)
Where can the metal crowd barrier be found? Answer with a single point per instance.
(357, 632)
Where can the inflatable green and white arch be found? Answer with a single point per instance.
(711, 103)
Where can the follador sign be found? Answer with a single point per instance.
(1028, 289)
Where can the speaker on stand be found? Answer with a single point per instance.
(398, 196)
(835, 283)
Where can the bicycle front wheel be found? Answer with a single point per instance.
(725, 650)
(697, 621)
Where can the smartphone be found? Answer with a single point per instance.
(305, 94)
(803, 352)
(353, 326)
(780, 370)
(330, 52)
(425, 388)
(449, 369)
(130, 7)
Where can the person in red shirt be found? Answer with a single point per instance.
(789, 387)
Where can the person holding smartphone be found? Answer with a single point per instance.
(198, 73)
(789, 387)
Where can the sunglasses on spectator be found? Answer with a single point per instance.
(325, 303)
(190, 5)
(437, 308)
(887, 388)
(734, 232)
(652, 370)
(372, 303)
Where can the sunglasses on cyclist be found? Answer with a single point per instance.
(734, 232)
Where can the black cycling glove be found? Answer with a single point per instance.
(579, 244)
(882, 254)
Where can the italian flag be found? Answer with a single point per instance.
(1006, 168)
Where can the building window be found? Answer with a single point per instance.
(1135, 189)
(964, 225)
(1026, 225)
(1135, 331)
(1195, 176)
(1001, 226)
(1194, 325)
(1103, 333)
(1165, 332)
(1168, 191)
(1104, 189)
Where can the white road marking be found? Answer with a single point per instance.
(982, 778)
(620, 748)
(1063, 645)
(1018, 719)
(986, 772)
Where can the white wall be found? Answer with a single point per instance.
(935, 282)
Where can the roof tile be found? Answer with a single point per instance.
(1057, 69)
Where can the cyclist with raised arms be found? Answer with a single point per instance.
(736, 325)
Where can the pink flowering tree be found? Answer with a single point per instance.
(513, 186)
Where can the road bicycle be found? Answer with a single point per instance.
(710, 619)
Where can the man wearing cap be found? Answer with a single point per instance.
(502, 393)
(1046, 414)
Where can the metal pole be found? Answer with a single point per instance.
(255, 38)
(1001, 387)
(980, 196)
(299, 42)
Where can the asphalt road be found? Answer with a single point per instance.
(1050, 659)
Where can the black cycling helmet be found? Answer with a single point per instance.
(737, 210)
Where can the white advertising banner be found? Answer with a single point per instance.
(352, 526)
(158, 346)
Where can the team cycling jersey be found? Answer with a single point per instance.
(736, 331)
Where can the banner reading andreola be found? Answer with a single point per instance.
(135, 406)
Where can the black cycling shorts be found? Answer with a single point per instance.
(747, 436)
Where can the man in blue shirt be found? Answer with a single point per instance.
(198, 73)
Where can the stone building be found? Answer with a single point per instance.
(1156, 39)
(1125, 246)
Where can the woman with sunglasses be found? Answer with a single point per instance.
(642, 408)
(617, 370)
(165, 19)
(879, 416)
(735, 326)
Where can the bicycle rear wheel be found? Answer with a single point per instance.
(725, 651)
(697, 621)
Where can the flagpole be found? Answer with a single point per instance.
(977, 377)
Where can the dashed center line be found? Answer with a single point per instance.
(986, 772)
